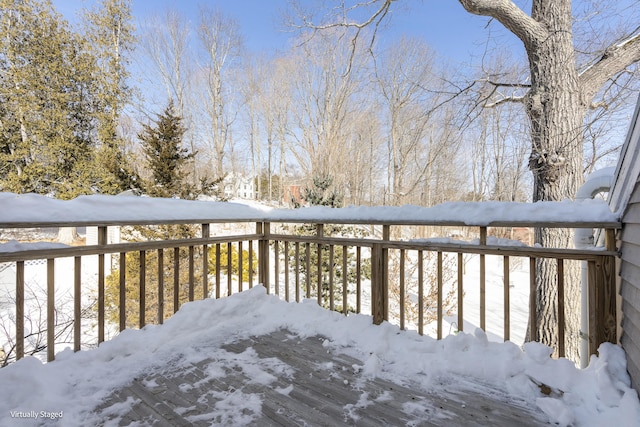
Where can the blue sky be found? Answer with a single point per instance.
(443, 24)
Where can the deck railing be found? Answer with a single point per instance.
(347, 273)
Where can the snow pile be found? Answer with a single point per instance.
(78, 382)
(26, 208)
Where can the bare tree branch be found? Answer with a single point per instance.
(614, 60)
(511, 16)
(509, 99)
(344, 11)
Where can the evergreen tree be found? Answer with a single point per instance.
(165, 156)
(47, 101)
(321, 194)
(166, 160)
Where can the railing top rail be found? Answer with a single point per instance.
(451, 223)
(122, 223)
(29, 210)
(312, 220)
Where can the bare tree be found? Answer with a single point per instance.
(365, 151)
(556, 102)
(221, 40)
(403, 73)
(35, 322)
(326, 95)
(270, 99)
(562, 84)
(165, 41)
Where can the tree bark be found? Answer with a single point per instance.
(556, 105)
(556, 112)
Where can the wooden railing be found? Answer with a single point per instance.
(349, 273)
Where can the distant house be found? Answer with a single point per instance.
(624, 197)
(293, 195)
(239, 186)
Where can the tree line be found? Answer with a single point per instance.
(389, 122)
(385, 120)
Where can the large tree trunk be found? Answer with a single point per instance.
(554, 107)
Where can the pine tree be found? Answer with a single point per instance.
(166, 160)
(165, 156)
(322, 194)
(47, 101)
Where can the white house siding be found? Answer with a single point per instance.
(630, 285)
(625, 198)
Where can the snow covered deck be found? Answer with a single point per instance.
(253, 359)
(296, 381)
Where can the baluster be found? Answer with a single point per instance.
(460, 292)
(192, 275)
(19, 310)
(297, 262)
(420, 293)
(205, 262)
(229, 269)
(51, 310)
(440, 304)
(160, 286)
(77, 296)
(533, 315)
(507, 299)
(122, 312)
(176, 280)
(483, 274)
(561, 313)
(143, 282)
(345, 289)
(402, 289)
(331, 296)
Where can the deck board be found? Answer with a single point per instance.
(321, 388)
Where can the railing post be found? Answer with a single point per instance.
(602, 298)
(610, 305)
(377, 284)
(263, 253)
(386, 236)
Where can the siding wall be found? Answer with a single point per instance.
(625, 198)
(630, 285)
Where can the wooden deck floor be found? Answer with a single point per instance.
(321, 388)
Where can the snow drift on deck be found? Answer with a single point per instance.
(77, 382)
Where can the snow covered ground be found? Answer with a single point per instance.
(77, 382)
